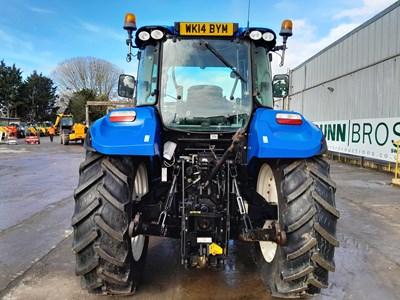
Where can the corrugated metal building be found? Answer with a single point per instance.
(357, 77)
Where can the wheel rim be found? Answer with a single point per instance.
(137, 243)
(140, 187)
(266, 187)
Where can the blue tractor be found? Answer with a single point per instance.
(203, 157)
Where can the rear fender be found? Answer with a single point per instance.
(139, 137)
(268, 139)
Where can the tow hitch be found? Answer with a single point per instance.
(271, 234)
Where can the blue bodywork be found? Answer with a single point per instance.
(140, 137)
(268, 139)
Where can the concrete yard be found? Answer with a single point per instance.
(36, 261)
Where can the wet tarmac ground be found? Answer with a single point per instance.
(36, 261)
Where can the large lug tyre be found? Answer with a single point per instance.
(305, 195)
(107, 259)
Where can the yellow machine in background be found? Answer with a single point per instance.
(3, 134)
(8, 134)
(34, 128)
(68, 130)
(78, 132)
(44, 127)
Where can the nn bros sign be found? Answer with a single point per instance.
(373, 138)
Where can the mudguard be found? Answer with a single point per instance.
(139, 137)
(268, 139)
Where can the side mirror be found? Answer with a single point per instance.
(280, 86)
(126, 86)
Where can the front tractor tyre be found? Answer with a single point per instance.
(305, 196)
(64, 139)
(108, 260)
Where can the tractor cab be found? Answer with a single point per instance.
(203, 76)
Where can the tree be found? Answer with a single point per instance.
(37, 98)
(77, 106)
(87, 73)
(10, 82)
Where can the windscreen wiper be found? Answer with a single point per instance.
(222, 59)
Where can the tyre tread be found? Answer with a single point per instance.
(303, 220)
(315, 282)
(85, 212)
(328, 207)
(300, 190)
(86, 268)
(326, 235)
(114, 278)
(111, 199)
(301, 273)
(305, 248)
(309, 217)
(323, 177)
(108, 257)
(330, 266)
(104, 226)
(92, 181)
(78, 246)
(114, 170)
(101, 219)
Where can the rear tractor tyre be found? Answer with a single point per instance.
(107, 259)
(305, 196)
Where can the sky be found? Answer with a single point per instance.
(39, 34)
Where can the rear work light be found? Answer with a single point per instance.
(123, 116)
(157, 34)
(144, 35)
(289, 119)
(255, 35)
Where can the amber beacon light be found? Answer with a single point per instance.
(286, 28)
(286, 31)
(129, 26)
(130, 22)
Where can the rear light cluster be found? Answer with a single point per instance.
(123, 116)
(289, 119)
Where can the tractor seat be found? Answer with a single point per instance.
(206, 100)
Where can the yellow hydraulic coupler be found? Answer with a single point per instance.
(215, 249)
